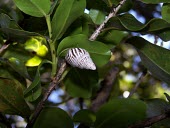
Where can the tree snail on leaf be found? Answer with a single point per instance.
(80, 58)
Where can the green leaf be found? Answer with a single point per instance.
(109, 38)
(66, 13)
(99, 52)
(120, 113)
(18, 66)
(53, 118)
(81, 83)
(85, 116)
(156, 107)
(129, 23)
(97, 16)
(11, 98)
(34, 90)
(165, 12)
(155, 1)
(7, 22)
(155, 58)
(17, 34)
(37, 8)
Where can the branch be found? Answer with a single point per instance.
(5, 46)
(111, 14)
(150, 121)
(51, 87)
(104, 93)
(138, 83)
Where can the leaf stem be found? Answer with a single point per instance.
(54, 59)
(52, 46)
(48, 21)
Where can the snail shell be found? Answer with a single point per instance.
(80, 58)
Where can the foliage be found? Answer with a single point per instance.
(35, 36)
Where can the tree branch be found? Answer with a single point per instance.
(150, 121)
(111, 14)
(5, 46)
(51, 87)
(104, 93)
(138, 83)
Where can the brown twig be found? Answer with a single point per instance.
(51, 87)
(5, 46)
(138, 82)
(104, 93)
(111, 14)
(150, 121)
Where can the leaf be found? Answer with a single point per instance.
(85, 116)
(34, 90)
(155, 58)
(165, 12)
(97, 16)
(17, 34)
(99, 52)
(70, 11)
(81, 83)
(129, 23)
(155, 1)
(11, 98)
(120, 113)
(37, 8)
(53, 118)
(7, 22)
(109, 38)
(156, 107)
(19, 67)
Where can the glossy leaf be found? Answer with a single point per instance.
(37, 8)
(53, 118)
(66, 13)
(34, 90)
(120, 113)
(165, 12)
(129, 23)
(99, 52)
(17, 34)
(85, 116)
(7, 22)
(155, 1)
(81, 83)
(11, 98)
(18, 66)
(97, 16)
(109, 38)
(155, 58)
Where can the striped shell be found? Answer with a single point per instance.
(78, 57)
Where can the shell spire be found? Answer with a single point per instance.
(80, 58)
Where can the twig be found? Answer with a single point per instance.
(150, 121)
(111, 14)
(138, 83)
(104, 93)
(51, 87)
(5, 46)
